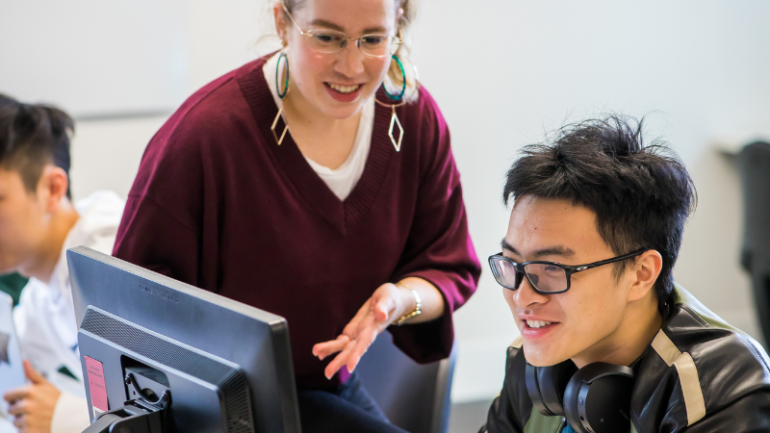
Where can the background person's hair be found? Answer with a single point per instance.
(641, 193)
(31, 136)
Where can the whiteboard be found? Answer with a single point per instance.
(95, 58)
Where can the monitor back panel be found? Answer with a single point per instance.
(253, 339)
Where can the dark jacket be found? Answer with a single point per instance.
(698, 375)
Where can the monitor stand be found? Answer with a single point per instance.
(136, 416)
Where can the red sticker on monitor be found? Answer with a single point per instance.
(96, 385)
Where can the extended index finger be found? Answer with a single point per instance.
(322, 350)
(339, 360)
(16, 394)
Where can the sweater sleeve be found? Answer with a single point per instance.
(162, 228)
(439, 248)
(150, 237)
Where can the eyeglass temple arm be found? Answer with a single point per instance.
(574, 269)
(291, 18)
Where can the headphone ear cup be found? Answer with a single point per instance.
(545, 386)
(533, 389)
(598, 398)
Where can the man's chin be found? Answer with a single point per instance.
(5, 270)
(538, 359)
(8, 267)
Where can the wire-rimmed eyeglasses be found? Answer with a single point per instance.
(546, 278)
(332, 41)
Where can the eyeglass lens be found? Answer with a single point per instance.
(327, 41)
(546, 278)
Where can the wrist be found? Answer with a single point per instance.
(407, 303)
(412, 303)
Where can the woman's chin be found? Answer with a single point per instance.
(342, 112)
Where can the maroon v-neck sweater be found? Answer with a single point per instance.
(218, 204)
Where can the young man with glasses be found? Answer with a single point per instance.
(586, 268)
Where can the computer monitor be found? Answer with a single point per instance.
(162, 355)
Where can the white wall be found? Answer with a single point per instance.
(95, 57)
(106, 154)
(505, 71)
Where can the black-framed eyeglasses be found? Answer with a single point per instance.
(547, 278)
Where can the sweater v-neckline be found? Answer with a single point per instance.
(343, 215)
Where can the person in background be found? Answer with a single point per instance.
(586, 268)
(317, 183)
(38, 223)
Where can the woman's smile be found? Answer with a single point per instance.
(344, 93)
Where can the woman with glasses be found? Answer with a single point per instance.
(316, 183)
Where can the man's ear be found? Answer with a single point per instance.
(52, 187)
(645, 273)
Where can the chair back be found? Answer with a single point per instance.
(754, 165)
(415, 397)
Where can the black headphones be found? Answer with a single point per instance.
(594, 399)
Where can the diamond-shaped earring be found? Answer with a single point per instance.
(395, 122)
(275, 123)
(398, 101)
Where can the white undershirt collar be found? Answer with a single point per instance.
(342, 180)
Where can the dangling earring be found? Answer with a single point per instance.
(393, 117)
(281, 95)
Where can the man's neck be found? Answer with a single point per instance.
(49, 251)
(640, 325)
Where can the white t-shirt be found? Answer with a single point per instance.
(342, 180)
(45, 317)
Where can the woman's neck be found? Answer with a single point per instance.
(323, 139)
